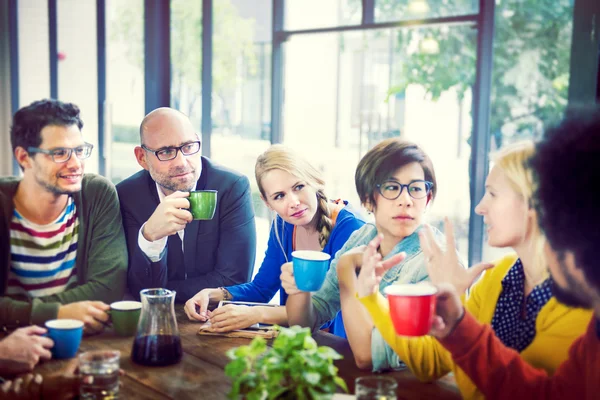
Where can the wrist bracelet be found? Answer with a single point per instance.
(226, 294)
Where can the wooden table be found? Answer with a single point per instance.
(200, 373)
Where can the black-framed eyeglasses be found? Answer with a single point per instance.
(392, 189)
(169, 153)
(63, 154)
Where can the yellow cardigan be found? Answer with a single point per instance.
(557, 326)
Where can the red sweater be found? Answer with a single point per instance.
(500, 373)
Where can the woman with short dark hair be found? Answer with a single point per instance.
(395, 181)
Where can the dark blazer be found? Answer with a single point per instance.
(218, 252)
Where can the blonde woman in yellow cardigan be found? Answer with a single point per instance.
(515, 296)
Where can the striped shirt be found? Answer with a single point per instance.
(43, 256)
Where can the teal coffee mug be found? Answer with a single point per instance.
(310, 268)
(203, 204)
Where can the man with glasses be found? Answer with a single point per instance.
(167, 248)
(61, 238)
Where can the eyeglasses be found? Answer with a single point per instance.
(169, 153)
(391, 189)
(63, 154)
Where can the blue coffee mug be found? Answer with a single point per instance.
(66, 334)
(310, 268)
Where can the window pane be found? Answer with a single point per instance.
(78, 67)
(125, 84)
(241, 98)
(309, 14)
(398, 10)
(186, 59)
(532, 52)
(34, 56)
(368, 86)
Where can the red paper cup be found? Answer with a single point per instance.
(411, 308)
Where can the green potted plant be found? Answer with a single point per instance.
(294, 367)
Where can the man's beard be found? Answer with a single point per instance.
(568, 296)
(55, 189)
(168, 183)
(564, 296)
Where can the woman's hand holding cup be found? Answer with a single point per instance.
(288, 282)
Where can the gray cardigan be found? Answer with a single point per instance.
(101, 259)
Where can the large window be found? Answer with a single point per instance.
(532, 51)
(125, 84)
(186, 58)
(345, 78)
(77, 66)
(372, 85)
(241, 97)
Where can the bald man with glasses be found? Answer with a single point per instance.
(167, 247)
(62, 247)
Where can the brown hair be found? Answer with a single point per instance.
(383, 160)
(285, 159)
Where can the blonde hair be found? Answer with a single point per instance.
(513, 160)
(285, 159)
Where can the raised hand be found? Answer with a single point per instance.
(171, 216)
(23, 349)
(449, 311)
(201, 300)
(444, 266)
(372, 268)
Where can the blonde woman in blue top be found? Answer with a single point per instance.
(306, 220)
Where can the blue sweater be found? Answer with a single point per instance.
(267, 282)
